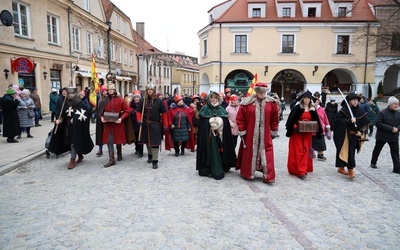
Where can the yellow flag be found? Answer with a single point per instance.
(253, 84)
(94, 86)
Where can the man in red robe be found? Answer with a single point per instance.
(257, 121)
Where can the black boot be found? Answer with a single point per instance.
(155, 164)
(119, 152)
(111, 161)
(149, 159)
(182, 151)
(177, 152)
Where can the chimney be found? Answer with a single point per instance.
(140, 29)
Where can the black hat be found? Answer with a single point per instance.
(305, 94)
(352, 95)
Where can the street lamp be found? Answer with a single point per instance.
(6, 73)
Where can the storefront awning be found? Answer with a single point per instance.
(84, 74)
(123, 78)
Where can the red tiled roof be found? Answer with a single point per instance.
(383, 3)
(144, 47)
(108, 7)
(238, 12)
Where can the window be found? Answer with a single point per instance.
(240, 44)
(205, 47)
(343, 43)
(286, 12)
(112, 52)
(119, 54)
(52, 29)
(312, 12)
(395, 44)
(256, 12)
(86, 4)
(123, 27)
(99, 47)
(125, 56)
(76, 38)
(89, 43)
(342, 11)
(117, 26)
(288, 44)
(131, 59)
(21, 19)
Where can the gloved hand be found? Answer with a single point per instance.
(164, 129)
(328, 134)
(140, 123)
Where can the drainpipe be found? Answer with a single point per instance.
(69, 42)
(366, 61)
(138, 72)
(108, 50)
(220, 55)
(366, 53)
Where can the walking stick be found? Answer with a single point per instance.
(141, 119)
(59, 116)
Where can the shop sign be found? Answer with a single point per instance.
(22, 65)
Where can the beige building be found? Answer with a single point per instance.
(292, 45)
(58, 38)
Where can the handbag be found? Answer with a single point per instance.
(110, 116)
(308, 126)
(31, 113)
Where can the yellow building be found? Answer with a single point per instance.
(292, 45)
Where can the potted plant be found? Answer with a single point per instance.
(380, 90)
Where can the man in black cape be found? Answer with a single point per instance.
(215, 151)
(349, 133)
(72, 129)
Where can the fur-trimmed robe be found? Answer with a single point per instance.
(258, 119)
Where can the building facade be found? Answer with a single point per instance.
(292, 45)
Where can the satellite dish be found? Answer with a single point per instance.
(6, 18)
(117, 71)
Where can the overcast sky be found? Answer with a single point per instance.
(172, 25)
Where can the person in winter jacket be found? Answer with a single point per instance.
(371, 116)
(136, 97)
(388, 126)
(180, 126)
(26, 113)
(232, 110)
(9, 105)
(318, 144)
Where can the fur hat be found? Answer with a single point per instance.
(137, 93)
(392, 100)
(177, 98)
(111, 86)
(10, 92)
(195, 97)
(261, 87)
(234, 98)
(25, 92)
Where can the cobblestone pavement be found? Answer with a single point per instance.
(131, 206)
